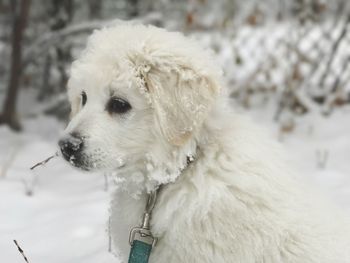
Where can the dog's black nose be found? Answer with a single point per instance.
(71, 145)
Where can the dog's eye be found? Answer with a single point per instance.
(83, 98)
(117, 105)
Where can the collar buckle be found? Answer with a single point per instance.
(142, 234)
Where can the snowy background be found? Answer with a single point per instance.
(286, 64)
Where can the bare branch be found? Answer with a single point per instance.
(21, 251)
(52, 38)
(334, 51)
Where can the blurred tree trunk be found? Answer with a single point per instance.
(95, 8)
(45, 85)
(21, 12)
(60, 15)
(62, 12)
(133, 8)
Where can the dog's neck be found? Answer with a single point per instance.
(165, 163)
(146, 174)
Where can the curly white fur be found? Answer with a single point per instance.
(236, 202)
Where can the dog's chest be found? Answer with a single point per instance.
(126, 213)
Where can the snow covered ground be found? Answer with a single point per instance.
(319, 149)
(65, 218)
(58, 214)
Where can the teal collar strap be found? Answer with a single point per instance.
(139, 252)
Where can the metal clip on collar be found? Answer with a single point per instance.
(141, 239)
(144, 233)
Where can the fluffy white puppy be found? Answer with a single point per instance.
(144, 102)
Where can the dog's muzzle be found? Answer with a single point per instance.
(71, 147)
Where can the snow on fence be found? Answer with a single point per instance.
(306, 67)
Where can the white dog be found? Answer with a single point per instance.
(147, 104)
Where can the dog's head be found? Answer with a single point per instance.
(137, 94)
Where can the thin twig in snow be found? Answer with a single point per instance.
(109, 235)
(322, 158)
(44, 162)
(6, 165)
(30, 184)
(21, 251)
(106, 186)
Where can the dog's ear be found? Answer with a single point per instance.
(74, 99)
(180, 95)
(74, 106)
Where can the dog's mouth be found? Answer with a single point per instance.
(75, 151)
(79, 161)
(88, 163)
